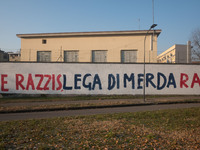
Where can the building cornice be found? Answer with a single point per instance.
(80, 34)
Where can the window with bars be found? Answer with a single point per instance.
(99, 55)
(71, 56)
(128, 56)
(44, 56)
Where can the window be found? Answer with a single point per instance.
(168, 61)
(44, 56)
(99, 56)
(5, 56)
(71, 56)
(44, 41)
(128, 56)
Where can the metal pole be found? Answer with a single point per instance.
(144, 82)
(29, 54)
(144, 71)
(153, 10)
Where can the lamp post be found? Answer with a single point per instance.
(144, 82)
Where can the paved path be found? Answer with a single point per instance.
(158, 99)
(51, 114)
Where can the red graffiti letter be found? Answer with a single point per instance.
(48, 81)
(19, 82)
(53, 81)
(3, 82)
(182, 81)
(30, 82)
(195, 80)
(40, 81)
(59, 82)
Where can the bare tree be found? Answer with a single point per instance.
(195, 42)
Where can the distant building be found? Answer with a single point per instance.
(196, 62)
(3, 56)
(176, 54)
(14, 56)
(105, 46)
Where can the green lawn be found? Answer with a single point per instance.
(43, 98)
(167, 129)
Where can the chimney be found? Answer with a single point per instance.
(189, 52)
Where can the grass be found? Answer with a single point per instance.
(9, 109)
(166, 129)
(43, 98)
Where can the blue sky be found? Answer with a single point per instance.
(176, 18)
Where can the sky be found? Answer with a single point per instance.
(176, 18)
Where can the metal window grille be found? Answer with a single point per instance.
(71, 56)
(128, 56)
(44, 56)
(99, 56)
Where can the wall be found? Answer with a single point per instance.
(181, 53)
(94, 79)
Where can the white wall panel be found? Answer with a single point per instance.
(86, 78)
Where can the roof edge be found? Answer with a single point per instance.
(97, 33)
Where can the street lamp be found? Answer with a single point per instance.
(144, 82)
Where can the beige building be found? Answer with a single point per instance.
(176, 54)
(109, 46)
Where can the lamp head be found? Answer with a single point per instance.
(153, 26)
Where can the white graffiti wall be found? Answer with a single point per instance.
(104, 79)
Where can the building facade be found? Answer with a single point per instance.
(176, 54)
(109, 46)
(14, 56)
(3, 56)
